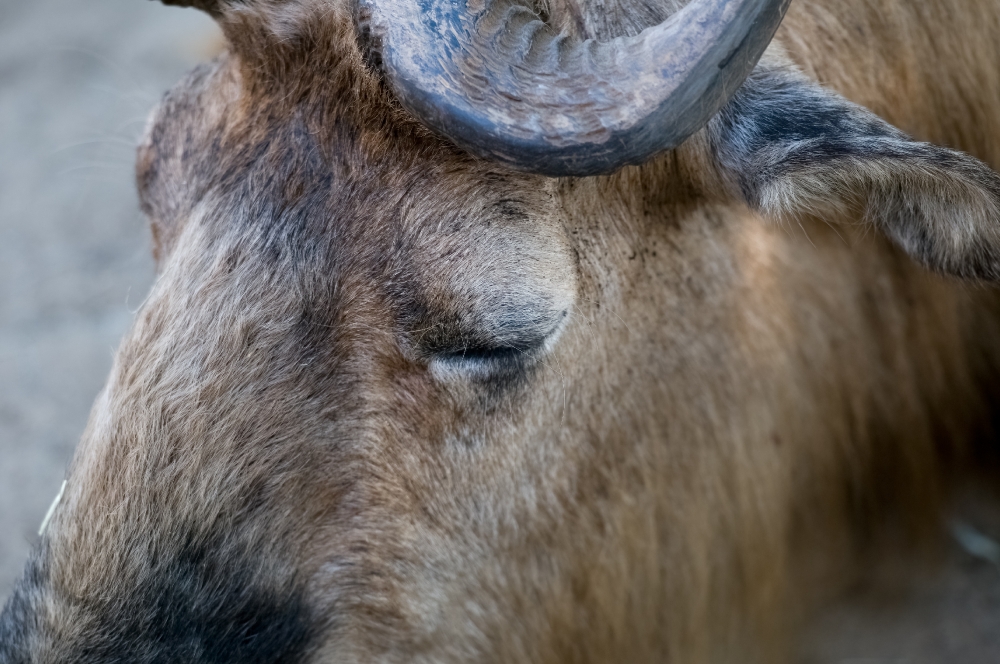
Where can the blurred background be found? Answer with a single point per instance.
(77, 80)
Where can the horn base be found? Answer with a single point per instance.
(493, 78)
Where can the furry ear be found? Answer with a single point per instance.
(213, 7)
(788, 146)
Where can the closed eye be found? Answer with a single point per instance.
(495, 357)
(484, 354)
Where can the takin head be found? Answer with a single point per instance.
(461, 349)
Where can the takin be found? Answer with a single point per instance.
(597, 331)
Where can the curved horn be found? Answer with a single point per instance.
(213, 7)
(494, 78)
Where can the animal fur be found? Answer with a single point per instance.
(387, 402)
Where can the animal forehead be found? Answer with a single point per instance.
(334, 167)
(215, 138)
(516, 231)
(501, 253)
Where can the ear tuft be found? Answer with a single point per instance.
(787, 146)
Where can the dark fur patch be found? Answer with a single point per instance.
(805, 149)
(200, 607)
(18, 621)
(783, 109)
(778, 122)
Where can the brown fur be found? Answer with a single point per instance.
(733, 410)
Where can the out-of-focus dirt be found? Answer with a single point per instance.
(942, 608)
(77, 79)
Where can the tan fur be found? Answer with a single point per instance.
(733, 412)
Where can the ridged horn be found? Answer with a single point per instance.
(213, 7)
(494, 78)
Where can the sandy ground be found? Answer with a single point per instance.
(77, 78)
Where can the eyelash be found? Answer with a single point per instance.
(485, 354)
(486, 359)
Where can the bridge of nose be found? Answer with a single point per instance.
(216, 452)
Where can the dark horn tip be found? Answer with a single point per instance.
(213, 7)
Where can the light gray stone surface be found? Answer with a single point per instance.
(77, 80)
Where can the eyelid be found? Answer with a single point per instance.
(485, 353)
(479, 367)
(484, 359)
